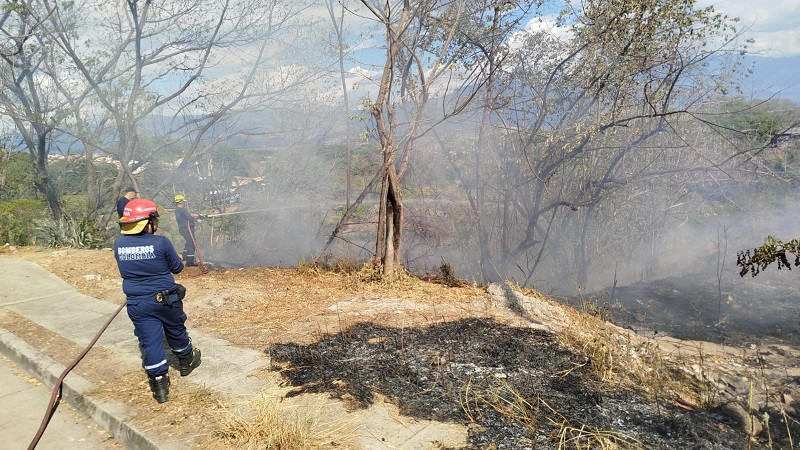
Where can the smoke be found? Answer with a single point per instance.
(289, 214)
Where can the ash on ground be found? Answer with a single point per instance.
(515, 388)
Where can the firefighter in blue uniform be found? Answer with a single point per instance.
(147, 263)
(186, 221)
(129, 195)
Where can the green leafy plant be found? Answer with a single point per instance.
(772, 250)
(70, 232)
(18, 220)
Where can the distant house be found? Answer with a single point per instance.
(98, 160)
(68, 157)
(246, 181)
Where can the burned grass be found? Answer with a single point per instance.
(514, 387)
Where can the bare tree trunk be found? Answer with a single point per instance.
(390, 219)
(394, 220)
(91, 188)
(505, 230)
(387, 261)
(42, 179)
(486, 264)
(338, 26)
(386, 124)
(582, 258)
(380, 241)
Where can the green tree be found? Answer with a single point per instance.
(756, 121)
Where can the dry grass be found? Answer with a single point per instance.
(500, 396)
(621, 360)
(585, 439)
(271, 305)
(367, 280)
(262, 423)
(504, 399)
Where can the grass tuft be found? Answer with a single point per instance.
(265, 424)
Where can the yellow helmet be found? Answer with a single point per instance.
(180, 198)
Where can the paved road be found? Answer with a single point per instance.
(23, 401)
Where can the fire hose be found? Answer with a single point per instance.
(55, 398)
(249, 211)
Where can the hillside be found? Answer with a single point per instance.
(513, 368)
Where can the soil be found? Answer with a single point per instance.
(456, 354)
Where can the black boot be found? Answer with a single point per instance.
(188, 259)
(160, 387)
(188, 363)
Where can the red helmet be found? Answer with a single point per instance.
(138, 209)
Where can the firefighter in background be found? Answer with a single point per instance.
(129, 195)
(186, 221)
(154, 301)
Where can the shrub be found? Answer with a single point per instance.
(70, 232)
(18, 220)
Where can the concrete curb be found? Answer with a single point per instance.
(112, 417)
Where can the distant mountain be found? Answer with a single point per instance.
(778, 76)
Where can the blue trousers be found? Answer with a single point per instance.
(188, 247)
(154, 321)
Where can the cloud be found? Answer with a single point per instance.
(548, 24)
(774, 25)
(540, 24)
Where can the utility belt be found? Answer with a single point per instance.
(164, 296)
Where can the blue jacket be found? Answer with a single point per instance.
(121, 206)
(185, 220)
(146, 263)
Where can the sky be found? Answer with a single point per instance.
(774, 24)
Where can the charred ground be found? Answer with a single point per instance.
(518, 388)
